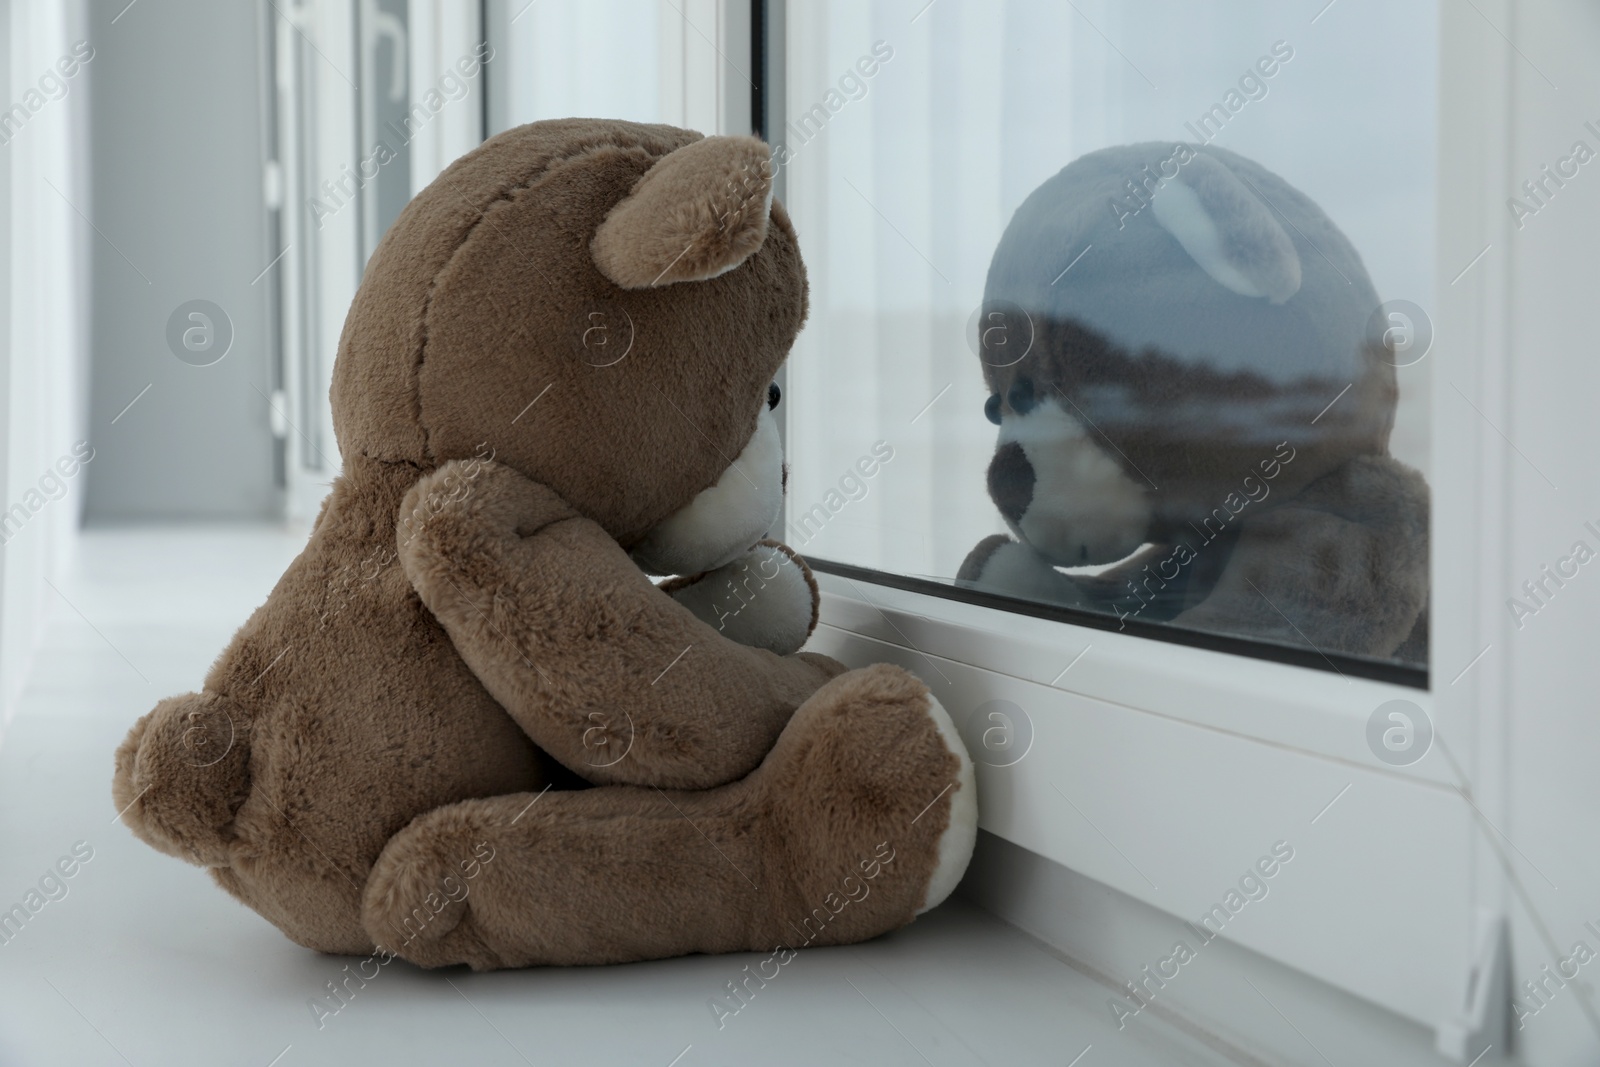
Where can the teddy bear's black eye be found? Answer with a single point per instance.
(1021, 396)
(991, 408)
(774, 394)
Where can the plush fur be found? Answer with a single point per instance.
(466, 727)
(1201, 382)
(719, 525)
(696, 217)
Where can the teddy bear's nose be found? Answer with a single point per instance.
(1011, 480)
(1021, 396)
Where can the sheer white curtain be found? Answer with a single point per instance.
(563, 58)
(43, 352)
(681, 62)
(895, 181)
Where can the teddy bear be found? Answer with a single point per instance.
(1194, 384)
(468, 726)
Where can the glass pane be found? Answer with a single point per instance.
(1120, 307)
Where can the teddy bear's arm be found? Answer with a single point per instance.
(604, 671)
(1344, 567)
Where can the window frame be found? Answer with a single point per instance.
(1394, 672)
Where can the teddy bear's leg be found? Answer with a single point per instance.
(863, 815)
(1344, 567)
(607, 674)
(181, 774)
(183, 786)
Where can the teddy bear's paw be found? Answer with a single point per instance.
(465, 501)
(417, 900)
(766, 598)
(876, 796)
(181, 775)
(997, 564)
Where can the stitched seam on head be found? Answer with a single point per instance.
(427, 304)
(390, 462)
(505, 195)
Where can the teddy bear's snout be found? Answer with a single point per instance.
(1059, 490)
(724, 520)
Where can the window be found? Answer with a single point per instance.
(1155, 389)
(909, 136)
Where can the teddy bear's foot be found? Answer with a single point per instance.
(181, 774)
(862, 816)
(873, 794)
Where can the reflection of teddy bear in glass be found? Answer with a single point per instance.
(1194, 394)
(504, 494)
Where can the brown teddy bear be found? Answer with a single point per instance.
(466, 727)
(1194, 380)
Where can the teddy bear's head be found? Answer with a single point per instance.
(1167, 330)
(601, 306)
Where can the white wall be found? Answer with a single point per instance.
(42, 342)
(1550, 674)
(177, 167)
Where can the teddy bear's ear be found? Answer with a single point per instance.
(1228, 231)
(699, 212)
